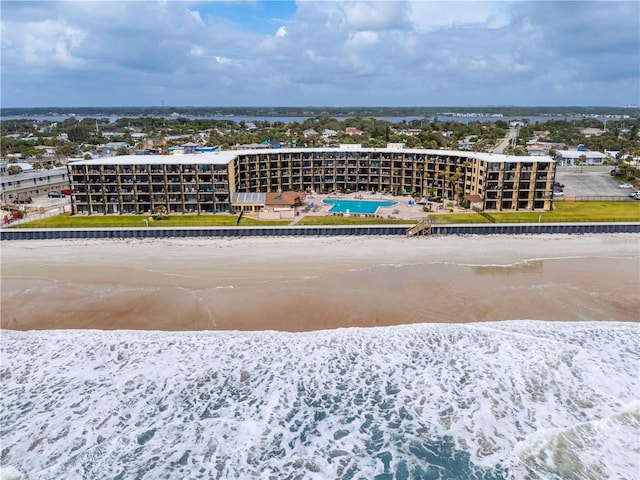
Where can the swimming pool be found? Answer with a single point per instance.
(357, 206)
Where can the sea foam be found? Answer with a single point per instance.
(488, 400)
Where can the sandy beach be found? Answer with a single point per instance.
(312, 283)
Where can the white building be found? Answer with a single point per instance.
(571, 157)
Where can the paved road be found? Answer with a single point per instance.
(513, 133)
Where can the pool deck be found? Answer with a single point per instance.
(401, 210)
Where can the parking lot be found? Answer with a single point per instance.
(590, 182)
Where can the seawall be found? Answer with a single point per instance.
(163, 232)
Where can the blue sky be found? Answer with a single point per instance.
(305, 53)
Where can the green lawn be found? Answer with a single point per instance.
(337, 220)
(102, 221)
(564, 211)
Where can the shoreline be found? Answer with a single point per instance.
(316, 283)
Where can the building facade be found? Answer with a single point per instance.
(32, 183)
(204, 183)
(585, 157)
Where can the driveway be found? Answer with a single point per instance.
(589, 182)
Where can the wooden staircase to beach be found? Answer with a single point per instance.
(421, 228)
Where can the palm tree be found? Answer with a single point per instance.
(420, 172)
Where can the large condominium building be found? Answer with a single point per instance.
(204, 183)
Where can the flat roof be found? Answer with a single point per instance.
(31, 174)
(226, 156)
(579, 153)
(214, 158)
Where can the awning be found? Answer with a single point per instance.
(474, 198)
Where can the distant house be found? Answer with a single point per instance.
(327, 134)
(309, 132)
(152, 143)
(352, 131)
(189, 148)
(171, 138)
(111, 148)
(535, 148)
(571, 157)
(48, 152)
(410, 132)
(185, 149)
(592, 132)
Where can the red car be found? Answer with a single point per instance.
(23, 200)
(558, 185)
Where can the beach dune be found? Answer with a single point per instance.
(313, 283)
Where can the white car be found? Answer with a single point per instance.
(625, 185)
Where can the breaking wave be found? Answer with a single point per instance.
(501, 400)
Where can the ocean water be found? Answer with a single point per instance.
(500, 400)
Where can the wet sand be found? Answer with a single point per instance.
(302, 284)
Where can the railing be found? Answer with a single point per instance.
(580, 220)
(594, 198)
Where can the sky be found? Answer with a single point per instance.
(308, 53)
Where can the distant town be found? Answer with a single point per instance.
(97, 132)
(442, 156)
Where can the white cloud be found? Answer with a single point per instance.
(326, 52)
(196, 16)
(196, 51)
(48, 43)
(362, 39)
(374, 15)
(437, 15)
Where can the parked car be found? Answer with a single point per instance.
(558, 185)
(65, 191)
(21, 200)
(634, 193)
(625, 185)
(637, 196)
(55, 195)
(558, 194)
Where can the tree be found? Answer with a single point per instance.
(14, 170)
(160, 212)
(580, 161)
(65, 150)
(78, 134)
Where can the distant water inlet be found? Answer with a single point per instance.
(367, 207)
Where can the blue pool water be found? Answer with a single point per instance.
(357, 206)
